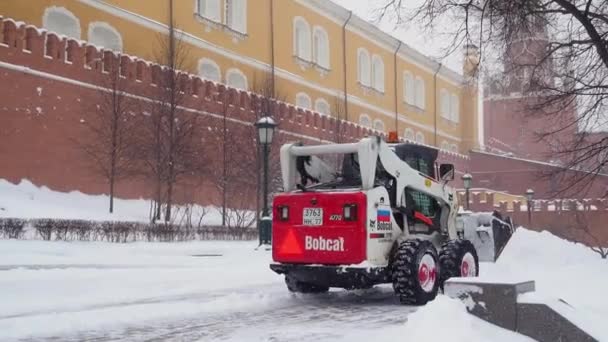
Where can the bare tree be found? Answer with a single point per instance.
(108, 131)
(170, 143)
(567, 73)
(582, 232)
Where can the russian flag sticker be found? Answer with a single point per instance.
(384, 215)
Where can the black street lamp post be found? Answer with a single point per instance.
(467, 179)
(529, 198)
(265, 126)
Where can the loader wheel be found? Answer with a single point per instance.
(414, 271)
(294, 285)
(458, 258)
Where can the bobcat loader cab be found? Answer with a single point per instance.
(377, 214)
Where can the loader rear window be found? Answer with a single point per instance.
(332, 171)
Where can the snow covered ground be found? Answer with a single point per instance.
(26, 200)
(206, 291)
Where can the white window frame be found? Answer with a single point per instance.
(105, 26)
(454, 108)
(320, 47)
(203, 8)
(231, 16)
(409, 135)
(444, 98)
(420, 92)
(302, 46)
(365, 121)
(409, 88)
(303, 96)
(239, 73)
(364, 71)
(68, 14)
(377, 73)
(320, 102)
(209, 62)
(420, 137)
(379, 125)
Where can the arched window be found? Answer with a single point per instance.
(409, 134)
(409, 92)
(236, 79)
(420, 138)
(322, 107)
(455, 108)
(320, 47)
(61, 21)
(301, 32)
(209, 70)
(420, 93)
(454, 148)
(445, 145)
(210, 9)
(379, 125)
(363, 73)
(445, 104)
(236, 15)
(378, 73)
(105, 35)
(365, 121)
(303, 101)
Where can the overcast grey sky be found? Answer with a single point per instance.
(429, 43)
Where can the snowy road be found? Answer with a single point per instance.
(162, 292)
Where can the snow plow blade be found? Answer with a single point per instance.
(488, 232)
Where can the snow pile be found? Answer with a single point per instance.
(26, 200)
(446, 319)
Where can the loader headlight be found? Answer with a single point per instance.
(284, 212)
(350, 212)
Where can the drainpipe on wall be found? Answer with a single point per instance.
(396, 94)
(350, 15)
(435, 104)
(272, 65)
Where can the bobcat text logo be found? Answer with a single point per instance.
(322, 244)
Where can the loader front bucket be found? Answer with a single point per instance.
(488, 233)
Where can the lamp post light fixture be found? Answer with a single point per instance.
(467, 179)
(265, 126)
(529, 198)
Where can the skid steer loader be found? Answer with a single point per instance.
(359, 214)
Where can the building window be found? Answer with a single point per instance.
(409, 89)
(445, 104)
(420, 138)
(236, 79)
(364, 72)
(378, 73)
(445, 145)
(320, 47)
(454, 108)
(322, 107)
(365, 121)
(210, 9)
(409, 134)
(61, 21)
(236, 15)
(420, 93)
(105, 36)
(209, 70)
(379, 125)
(301, 38)
(303, 101)
(454, 148)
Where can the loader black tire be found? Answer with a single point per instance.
(452, 260)
(294, 285)
(414, 271)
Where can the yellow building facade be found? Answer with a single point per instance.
(312, 53)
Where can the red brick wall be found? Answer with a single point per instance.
(47, 84)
